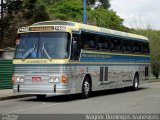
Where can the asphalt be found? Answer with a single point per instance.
(7, 94)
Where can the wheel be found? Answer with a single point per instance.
(40, 96)
(86, 88)
(135, 83)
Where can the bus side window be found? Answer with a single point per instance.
(127, 46)
(115, 44)
(88, 41)
(102, 43)
(137, 47)
(145, 48)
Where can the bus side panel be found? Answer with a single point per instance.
(118, 76)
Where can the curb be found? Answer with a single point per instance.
(14, 97)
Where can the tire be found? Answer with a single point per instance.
(135, 83)
(40, 97)
(86, 88)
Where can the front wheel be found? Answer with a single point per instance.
(86, 88)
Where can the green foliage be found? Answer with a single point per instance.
(104, 3)
(66, 10)
(26, 13)
(106, 18)
(154, 41)
(34, 12)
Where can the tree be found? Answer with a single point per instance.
(105, 3)
(27, 13)
(102, 3)
(106, 18)
(33, 12)
(66, 10)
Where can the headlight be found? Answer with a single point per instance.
(19, 79)
(54, 79)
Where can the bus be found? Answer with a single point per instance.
(63, 57)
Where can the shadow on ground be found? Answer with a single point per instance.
(73, 97)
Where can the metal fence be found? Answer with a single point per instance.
(6, 70)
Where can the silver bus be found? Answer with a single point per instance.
(63, 57)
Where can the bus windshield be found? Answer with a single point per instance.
(43, 45)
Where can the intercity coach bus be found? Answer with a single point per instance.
(63, 57)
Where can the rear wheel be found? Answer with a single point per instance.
(86, 88)
(135, 83)
(41, 96)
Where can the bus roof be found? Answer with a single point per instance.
(93, 29)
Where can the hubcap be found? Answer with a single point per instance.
(86, 87)
(136, 83)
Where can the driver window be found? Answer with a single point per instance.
(75, 52)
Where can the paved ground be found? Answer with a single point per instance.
(146, 100)
(8, 94)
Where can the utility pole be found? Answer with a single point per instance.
(85, 12)
(1, 39)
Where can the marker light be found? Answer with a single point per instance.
(23, 29)
(13, 80)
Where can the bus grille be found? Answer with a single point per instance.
(34, 70)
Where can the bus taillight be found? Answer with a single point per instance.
(64, 79)
(13, 80)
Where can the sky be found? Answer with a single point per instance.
(138, 13)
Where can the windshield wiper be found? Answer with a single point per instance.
(29, 51)
(44, 49)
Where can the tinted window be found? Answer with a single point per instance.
(137, 47)
(127, 45)
(88, 41)
(102, 43)
(115, 44)
(145, 48)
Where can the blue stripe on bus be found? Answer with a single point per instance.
(115, 58)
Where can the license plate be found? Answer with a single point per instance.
(36, 78)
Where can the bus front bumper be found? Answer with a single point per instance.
(47, 90)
